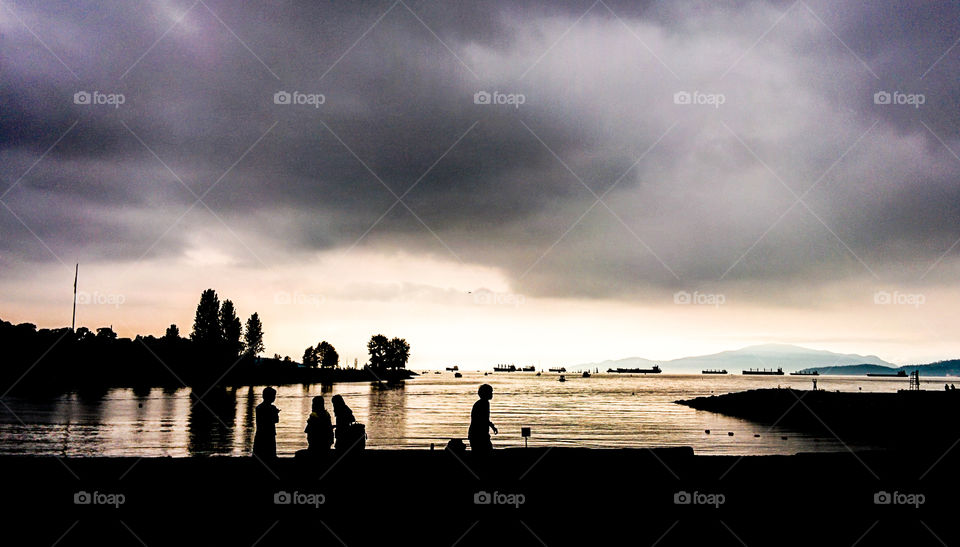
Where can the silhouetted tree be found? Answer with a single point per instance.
(206, 322)
(326, 355)
(230, 328)
(106, 333)
(398, 353)
(173, 333)
(309, 357)
(253, 337)
(378, 347)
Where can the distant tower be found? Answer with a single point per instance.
(915, 380)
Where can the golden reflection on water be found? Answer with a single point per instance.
(605, 411)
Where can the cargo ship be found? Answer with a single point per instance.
(805, 373)
(504, 368)
(654, 370)
(763, 372)
(708, 371)
(898, 374)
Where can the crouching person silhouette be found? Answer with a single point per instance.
(265, 440)
(350, 434)
(480, 424)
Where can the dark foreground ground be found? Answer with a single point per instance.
(520, 496)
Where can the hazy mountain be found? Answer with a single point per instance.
(789, 357)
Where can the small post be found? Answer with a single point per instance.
(525, 433)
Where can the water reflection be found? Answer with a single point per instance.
(249, 415)
(603, 411)
(387, 413)
(211, 423)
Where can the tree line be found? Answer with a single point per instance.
(219, 350)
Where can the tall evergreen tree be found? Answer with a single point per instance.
(253, 336)
(206, 322)
(230, 328)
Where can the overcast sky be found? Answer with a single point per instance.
(656, 179)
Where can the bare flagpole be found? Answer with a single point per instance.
(73, 323)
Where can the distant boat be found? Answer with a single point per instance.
(898, 374)
(764, 372)
(557, 369)
(805, 373)
(562, 379)
(504, 368)
(531, 368)
(454, 368)
(457, 375)
(654, 370)
(708, 371)
(586, 374)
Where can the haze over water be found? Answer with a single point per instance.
(605, 411)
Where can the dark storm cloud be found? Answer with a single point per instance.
(715, 196)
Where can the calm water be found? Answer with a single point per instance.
(606, 411)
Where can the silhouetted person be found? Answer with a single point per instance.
(319, 430)
(265, 440)
(349, 433)
(480, 424)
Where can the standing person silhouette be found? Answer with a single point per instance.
(319, 431)
(480, 424)
(265, 440)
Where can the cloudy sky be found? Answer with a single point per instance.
(549, 183)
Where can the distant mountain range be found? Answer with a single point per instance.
(789, 357)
